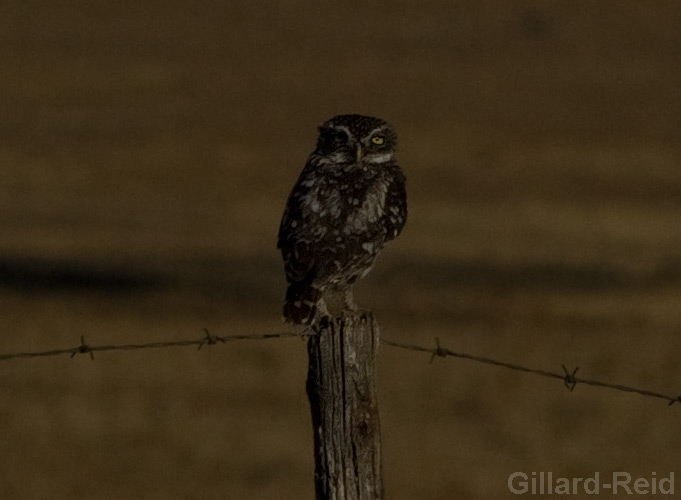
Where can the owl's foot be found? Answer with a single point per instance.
(349, 301)
(349, 306)
(322, 313)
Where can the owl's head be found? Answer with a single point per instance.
(356, 139)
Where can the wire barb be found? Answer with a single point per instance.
(569, 380)
(439, 352)
(210, 339)
(83, 348)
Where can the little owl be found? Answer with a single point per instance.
(349, 200)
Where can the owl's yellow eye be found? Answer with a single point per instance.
(378, 140)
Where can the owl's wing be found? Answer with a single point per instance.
(395, 205)
(294, 239)
(285, 224)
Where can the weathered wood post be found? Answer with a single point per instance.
(341, 387)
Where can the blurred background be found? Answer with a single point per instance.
(146, 153)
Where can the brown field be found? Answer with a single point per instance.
(146, 151)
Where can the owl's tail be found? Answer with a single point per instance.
(301, 302)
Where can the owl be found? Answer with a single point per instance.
(348, 202)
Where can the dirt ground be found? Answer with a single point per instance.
(146, 152)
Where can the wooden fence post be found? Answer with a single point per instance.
(341, 387)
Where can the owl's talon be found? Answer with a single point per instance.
(349, 301)
(356, 312)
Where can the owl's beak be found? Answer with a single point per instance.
(358, 153)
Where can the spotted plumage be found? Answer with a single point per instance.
(349, 200)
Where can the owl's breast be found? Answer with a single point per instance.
(343, 204)
(367, 207)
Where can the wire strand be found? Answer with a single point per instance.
(569, 378)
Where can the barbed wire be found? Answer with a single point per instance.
(208, 339)
(569, 377)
